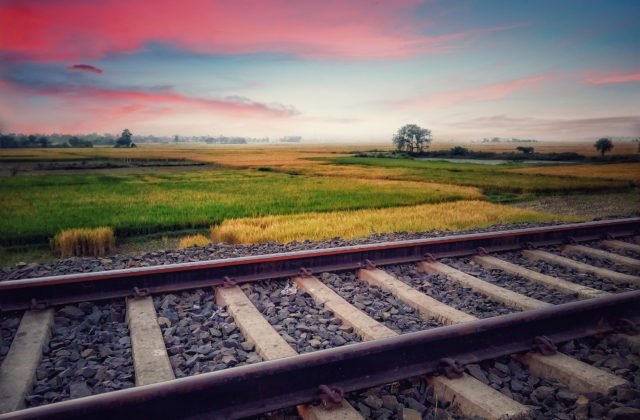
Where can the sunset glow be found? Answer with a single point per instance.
(330, 70)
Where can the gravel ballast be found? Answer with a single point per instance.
(304, 325)
(389, 402)
(549, 398)
(199, 335)
(448, 292)
(610, 353)
(564, 273)
(9, 324)
(89, 353)
(379, 304)
(514, 283)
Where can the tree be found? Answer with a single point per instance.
(526, 150)
(412, 138)
(603, 145)
(44, 141)
(8, 141)
(79, 142)
(459, 151)
(125, 139)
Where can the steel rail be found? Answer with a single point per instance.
(254, 389)
(72, 288)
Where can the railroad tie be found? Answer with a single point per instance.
(627, 246)
(428, 307)
(150, 358)
(577, 375)
(270, 346)
(564, 286)
(471, 396)
(581, 267)
(365, 326)
(598, 253)
(500, 294)
(18, 369)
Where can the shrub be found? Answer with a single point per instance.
(193, 240)
(83, 242)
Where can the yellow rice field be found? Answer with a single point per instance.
(193, 240)
(354, 224)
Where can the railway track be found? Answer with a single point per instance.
(529, 323)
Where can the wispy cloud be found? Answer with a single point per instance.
(141, 98)
(491, 92)
(594, 78)
(82, 30)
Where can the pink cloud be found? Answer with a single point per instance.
(82, 30)
(613, 78)
(490, 92)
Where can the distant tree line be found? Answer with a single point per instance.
(14, 141)
(225, 140)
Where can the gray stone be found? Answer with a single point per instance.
(337, 340)
(596, 410)
(415, 405)
(373, 402)
(229, 360)
(624, 413)
(79, 389)
(364, 410)
(390, 402)
(477, 372)
(72, 312)
(567, 396)
(627, 394)
(516, 385)
(95, 317)
(247, 346)
(205, 349)
(543, 392)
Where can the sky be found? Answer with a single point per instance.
(335, 70)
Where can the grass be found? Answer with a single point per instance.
(35, 207)
(490, 178)
(83, 242)
(617, 171)
(193, 240)
(354, 224)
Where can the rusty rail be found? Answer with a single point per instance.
(58, 290)
(253, 389)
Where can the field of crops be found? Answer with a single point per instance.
(253, 193)
(491, 178)
(35, 207)
(356, 224)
